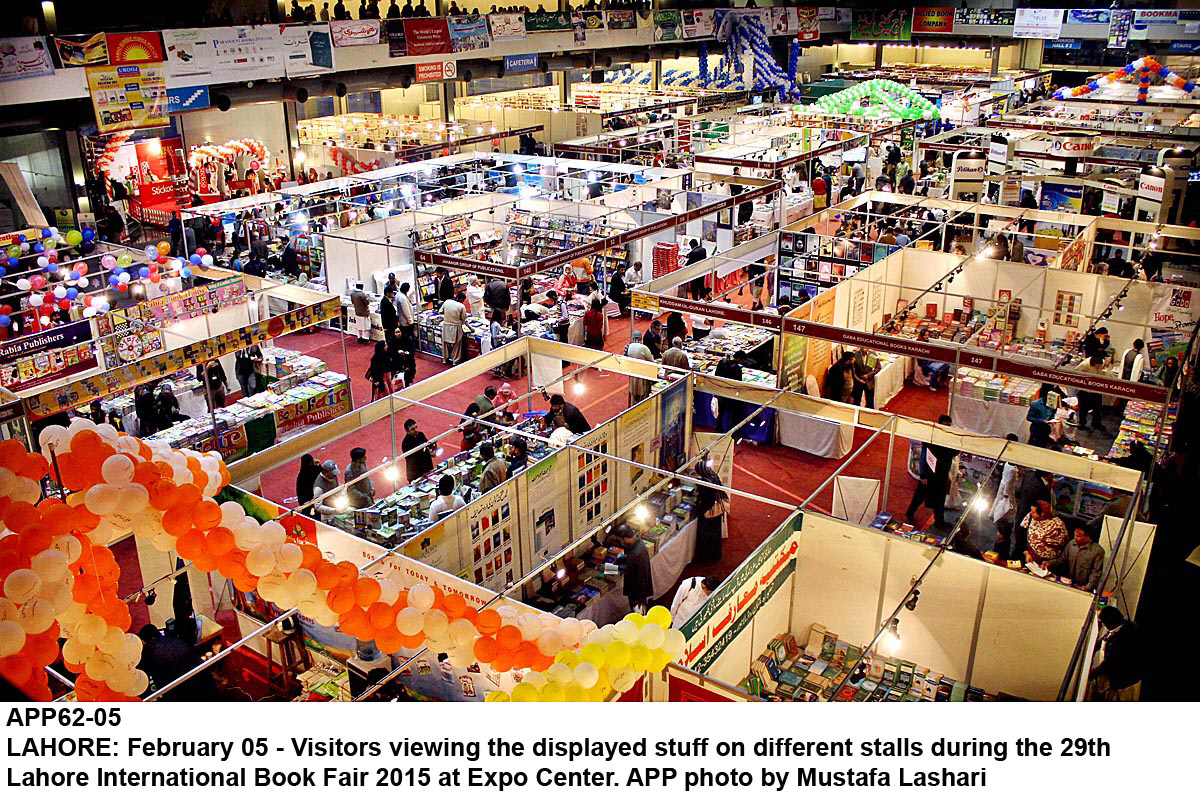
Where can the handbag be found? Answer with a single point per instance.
(719, 508)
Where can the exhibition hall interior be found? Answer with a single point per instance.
(635, 351)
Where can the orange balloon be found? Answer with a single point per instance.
(86, 588)
(189, 494)
(205, 562)
(352, 618)
(439, 600)
(17, 669)
(525, 654)
(220, 540)
(486, 649)
(163, 247)
(328, 575)
(20, 515)
(178, 520)
(488, 622)
(312, 556)
(340, 599)
(12, 454)
(348, 572)
(206, 515)
(35, 467)
(164, 494)
(381, 615)
(541, 662)
(200, 480)
(389, 640)
(366, 591)
(87, 439)
(401, 600)
(85, 520)
(146, 474)
(42, 649)
(35, 538)
(231, 567)
(413, 640)
(454, 605)
(509, 637)
(190, 544)
(503, 661)
(71, 473)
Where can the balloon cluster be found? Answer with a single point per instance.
(348, 165)
(107, 157)
(226, 152)
(57, 283)
(891, 99)
(610, 658)
(59, 579)
(747, 45)
(1145, 69)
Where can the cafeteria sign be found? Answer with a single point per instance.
(128, 96)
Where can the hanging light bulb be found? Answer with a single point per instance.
(891, 636)
(391, 474)
(580, 388)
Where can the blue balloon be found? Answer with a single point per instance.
(195, 259)
(144, 272)
(13, 263)
(185, 272)
(22, 239)
(3, 271)
(88, 234)
(72, 293)
(52, 267)
(45, 232)
(38, 247)
(5, 320)
(113, 280)
(75, 275)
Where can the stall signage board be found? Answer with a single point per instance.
(317, 409)
(1156, 16)
(1072, 144)
(1151, 186)
(128, 96)
(644, 301)
(1119, 23)
(307, 49)
(347, 33)
(620, 20)
(44, 356)
(727, 313)
(115, 381)
(882, 25)
(997, 155)
(506, 26)
(1038, 23)
(932, 20)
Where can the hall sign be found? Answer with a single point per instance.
(979, 361)
(1072, 144)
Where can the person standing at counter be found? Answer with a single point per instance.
(454, 319)
(146, 411)
(1082, 561)
(572, 417)
(1089, 401)
(690, 596)
(445, 285)
(864, 368)
(1133, 361)
(379, 372)
(712, 509)
(934, 482)
(652, 339)
(593, 326)
(639, 584)
(446, 501)
(639, 388)
(675, 357)
(420, 462)
(1047, 534)
(498, 298)
(362, 313)
(494, 469)
(518, 455)
(362, 493)
(676, 327)
(305, 480)
(326, 483)
(475, 295)
(406, 319)
(215, 382)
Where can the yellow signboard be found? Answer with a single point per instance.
(644, 301)
(128, 96)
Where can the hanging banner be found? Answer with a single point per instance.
(427, 36)
(1175, 308)
(188, 99)
(784, 21)
(397, 44)
(81, 51)
(1120, 22)
(808, 24)
(128, 96)
(620, 20)
(521, 63)
(933, 20)
(667, 26)
(1038, 23)
(507, 26)
(307, 49)
(672, 420)
(539, 22)
(135, 48)
(348, 33)
(593, 20)
(1088, 16)
(34, 359)
(468, 33)
(882, 25)
(697, 23)
(24, 57)
(1156, 16)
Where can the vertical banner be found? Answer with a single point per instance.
(24, 57)
(128, 96)
(672, 419)
(545, 490)
(593, 489)
(1120, 21)
(637, 438)
(491, 549)
(396, 42)
(808, 24)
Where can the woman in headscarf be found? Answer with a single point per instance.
(712, 505)
(310, 470)
(506, 405)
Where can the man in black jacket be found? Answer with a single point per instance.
(445, 285)
(1119, 676)
(935, 480)
(575, 420)
(497, 298)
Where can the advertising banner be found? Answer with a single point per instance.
(593, 20)
(697, 23)
(808, 24)
(1088, 16)
(1174, 307)
(668, 26)
(882, 25)
(427, 36)
(507, 26)
(135, 48)
(348, 33)
(81, 51)
(128, 96)
(307, 49)
(211, 55)
(593, 478)
(932, 20)
(44, 356)
(672, 422)
(493, 557)
(468, 33)
(537, 22)
(1153, 16)
(1038, 23)
(24, 57)
(784, 21)
(621, 20)
(1120, 21)
(637, 438)
(397, 44)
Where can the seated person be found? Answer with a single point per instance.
(446, 501)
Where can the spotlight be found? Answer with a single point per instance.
(391, 474)
(980, 504)
(341, 502)
(641, 512)
(580, 389)
(891, 636)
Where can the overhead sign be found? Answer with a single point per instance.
(307, 49)
(427, 36)
(644, 301)
(1152, 184)
(521, 63)
(1088, 16)
(468, 33)
(1120, 21)
(128, 96)
(436, 71)
(506, 26)
(998, 154)
(24, 57)
(1156, 16)
(808, 24)
(135, 48)
(1038, 23)
(347, 33)
(188, 99)
(969, 165)
(1072, 144)
(882, 24)
(932, 20)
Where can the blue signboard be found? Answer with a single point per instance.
(521, 63)
(1065, 43)
(188, 99)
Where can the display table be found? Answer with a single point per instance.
(816, 436)
(666, 566)
(890, 379)
(989, 417)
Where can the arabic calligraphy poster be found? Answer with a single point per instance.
(24, 57)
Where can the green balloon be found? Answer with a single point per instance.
(14, 251)
(74, 238)
(124, 260)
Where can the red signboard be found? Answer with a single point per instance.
(431, 71)
(135, 48)
(932, 20)
(427, 36)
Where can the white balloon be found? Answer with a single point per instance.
(530, 626)
(410, 619)
(134, 499)
(625, 632)
(91, 629)
(421, 597)
(673, 641)
(37, 615)
(260, 561)
(437, 624)
(389, 591)
(559, 673)
(247, 535)
(586, 675)
(140, 682)
(462, 631)
(550, 643)
(53, 439)
(7, 481)
(75, 652)
(12, 637)
(288, 557)
(121, 678)
(231, 514)
(101, 499)
(22, 585)
(113, 641)
(50, 565)
(571, 630)
(302, 583)
(69, 546)
(100, 666)
(651, 636)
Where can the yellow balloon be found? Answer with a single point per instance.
(575, 693)
(617, 654)
(639, 658)
(525, 692)
(496, 695)
(553, 692)
(636, 619)
(659, 660)
(659, 615)
(593, 653)
(599, 692)
(568, 658)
